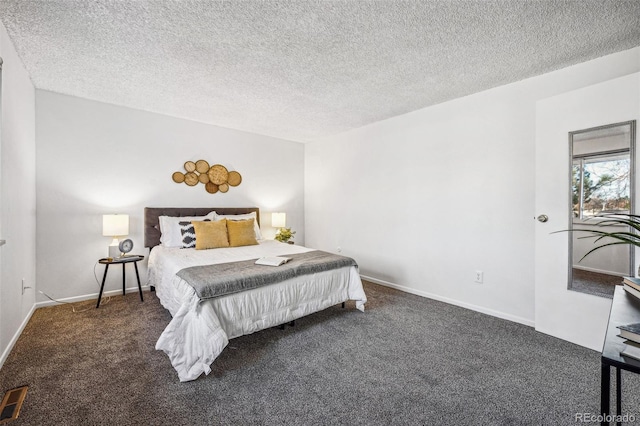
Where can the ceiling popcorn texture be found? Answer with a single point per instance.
(302, 70)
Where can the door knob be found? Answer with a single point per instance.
(543, 218)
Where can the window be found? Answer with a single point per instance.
(601, 184)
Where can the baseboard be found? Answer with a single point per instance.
(476, 308)
(89, 296)
(17, 334)
(599, 271)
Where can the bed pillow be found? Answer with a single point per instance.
(246, 216)
(210, 235)
(188, 234)
(170, 228)
(241, 233)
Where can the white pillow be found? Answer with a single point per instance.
(170, 228)
(246, 216)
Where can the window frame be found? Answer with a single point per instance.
(582, 159)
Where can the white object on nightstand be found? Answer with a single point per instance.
(115, 225)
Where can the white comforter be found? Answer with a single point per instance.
(199, 332)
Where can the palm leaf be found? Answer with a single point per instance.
(599, 247)
(608, 220)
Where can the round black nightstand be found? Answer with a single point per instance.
(120, 260)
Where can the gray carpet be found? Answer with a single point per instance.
(594, 283)
(407, 360)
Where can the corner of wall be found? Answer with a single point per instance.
(17, 196)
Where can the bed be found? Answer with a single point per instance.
(200, 328)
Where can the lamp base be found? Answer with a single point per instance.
(114, 252)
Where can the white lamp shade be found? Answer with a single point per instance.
(114, 225)
(278, 220)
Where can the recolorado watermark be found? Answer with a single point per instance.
(599, 418)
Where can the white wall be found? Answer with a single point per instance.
(95, 158)
(424, 200)
(17, 196)
(612, 260)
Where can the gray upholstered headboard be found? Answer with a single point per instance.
(151, 221)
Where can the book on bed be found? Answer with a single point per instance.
(272, 261)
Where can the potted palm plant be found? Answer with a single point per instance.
(609, 220)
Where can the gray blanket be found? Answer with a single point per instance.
(211, 281)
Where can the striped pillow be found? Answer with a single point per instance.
(189, 234)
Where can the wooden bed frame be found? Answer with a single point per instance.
(152, 224)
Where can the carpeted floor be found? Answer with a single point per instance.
(594, 283)
(407, 360)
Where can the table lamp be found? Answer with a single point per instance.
(278, 220)
(115, 225)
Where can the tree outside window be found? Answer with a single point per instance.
(600, 184)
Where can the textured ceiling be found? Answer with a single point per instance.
(301, 70)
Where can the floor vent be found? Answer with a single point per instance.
(11, 404)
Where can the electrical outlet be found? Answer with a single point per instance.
(479, 276)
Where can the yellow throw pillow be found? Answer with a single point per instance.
(241, 233)
(211, 235)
